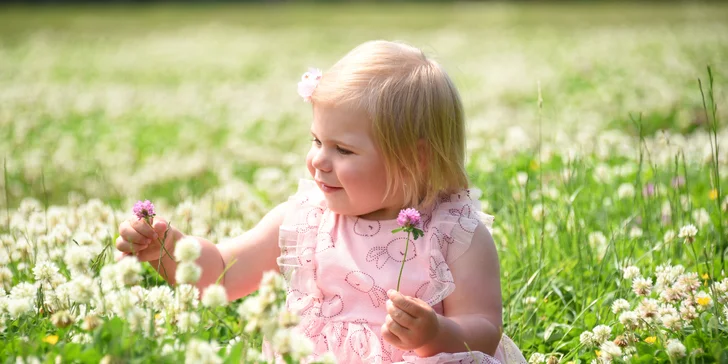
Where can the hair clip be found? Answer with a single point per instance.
(308, 83)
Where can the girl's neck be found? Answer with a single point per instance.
(386, 213)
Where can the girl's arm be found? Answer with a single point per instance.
(473, 312)
(245, 257)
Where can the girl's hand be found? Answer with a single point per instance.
(137, 238)
(410, 322)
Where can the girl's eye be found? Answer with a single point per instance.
(318, 142)
(343, 151)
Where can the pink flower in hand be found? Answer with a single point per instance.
(144, 209)
(408, 218)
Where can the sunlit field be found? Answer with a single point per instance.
(597, 134)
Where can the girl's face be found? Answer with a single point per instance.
(347, 165)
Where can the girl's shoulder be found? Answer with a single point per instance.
(452, 220)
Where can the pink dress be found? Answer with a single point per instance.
(339, 268)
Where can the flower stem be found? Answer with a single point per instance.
(404, 259)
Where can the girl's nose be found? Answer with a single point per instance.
(321, 161)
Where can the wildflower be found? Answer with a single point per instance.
(631, 272)
(620, 305)
(144, 210)
(688, 312)
(629, 319)
(669, 236)
(45, 271)
(187, 249)
(62, 319)
(701, 217)
(703, 300)
(537, 358)
(522, 178)
(51, 339)
(587, 338)
(625, 190)
(538, 212)
(688, 233)
(610, 350)
(90, 322)
(214, 296)
(648, 190)
(128, 271)
(621, 341)
(530, 300)
(408, 220)
(675, 349)
(671, 322)
(651, 340)
(713, 194)
(201, 352)
(160, 297)
(602, 333)
(188, 272)
(642, 286)
(648, 308)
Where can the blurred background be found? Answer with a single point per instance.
(129, 100)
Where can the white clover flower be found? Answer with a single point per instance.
(669, 236)
(538, 212)
(188, 272)
(672, 322)
(689, 282)
(24, 290)
(77, 259)
(648, 308)
(128, 271)
(642, 286)
(187, 249)
(688, 312)
(675, 349)
(82, 289)
(530, 300)
(214, 295)
(45, 271)
(602, 333)
(187, 321)
(522, 178)
(587, 339)
(635, 232)
(701, 217)
(610, 350)
(625, 190)
(667, 309)
(629, 319)
(201, 352)
(62, 319)
(186, 297)
(537, 358)
(18, 306)
(631, 272)
(620, 305)
(688, 233)
(6, 277)
(160, 297)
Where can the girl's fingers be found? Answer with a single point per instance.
(405, 303)
(399, 316)
(395, 328)
(141, 227)
(390, 337)
(126, 247)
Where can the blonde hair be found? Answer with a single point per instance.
(408, 98)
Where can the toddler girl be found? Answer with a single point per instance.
(388, 133)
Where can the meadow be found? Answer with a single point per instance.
(596, 133)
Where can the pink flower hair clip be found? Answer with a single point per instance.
(308, 83)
